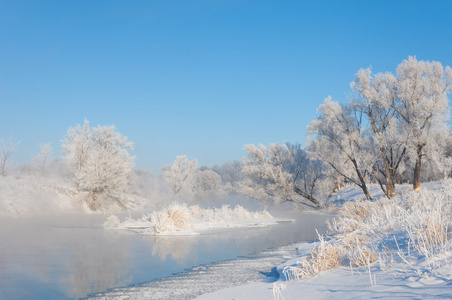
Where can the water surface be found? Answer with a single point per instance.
(71, 256)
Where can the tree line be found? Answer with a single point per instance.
(387, 131)
(393, 129)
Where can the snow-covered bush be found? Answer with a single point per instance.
(325, 256)
(112, 222)
(420, 220)
(361, 255)
(172, 218)
(180, 217)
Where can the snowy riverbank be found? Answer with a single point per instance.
(398, 248)
(381, 249)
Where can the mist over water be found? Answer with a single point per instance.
(71, 256)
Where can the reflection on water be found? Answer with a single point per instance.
(71, 256)
(39, 260)
(179, 248)
(95, 267)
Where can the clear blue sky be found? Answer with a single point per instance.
(201, 77)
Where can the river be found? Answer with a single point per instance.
(72, 256)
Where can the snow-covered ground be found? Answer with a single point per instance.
(399, 282)
(32, 195)
(26, 195)
(207, 278)
(398, 248)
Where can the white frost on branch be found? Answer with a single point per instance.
(282, 174)
(178, 174)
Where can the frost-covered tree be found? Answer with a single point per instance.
(422, 104)
(437, 159)
(206, 184)
(280, 174)
(100, 159)
(230, 173)
(42, 159)
(7, 149)
(374, 98)
(395, 120)
(340, 142)
(76, 145)
(177, 175)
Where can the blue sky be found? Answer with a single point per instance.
(201, 77)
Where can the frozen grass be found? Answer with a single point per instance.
(362, 231)
(185, 219)
(324, 257)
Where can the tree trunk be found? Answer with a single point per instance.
(365, 191)
(307, 196)
(390, 186)
(362, 185)
(417, 169)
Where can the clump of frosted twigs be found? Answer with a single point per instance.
(324, 257)
(180, 217)
(363, 229)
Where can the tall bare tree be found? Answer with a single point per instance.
(7, 149)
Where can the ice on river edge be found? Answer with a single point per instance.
(180, 219)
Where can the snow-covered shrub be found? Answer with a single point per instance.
(361, 256)
(171, 218)
(428, 223)
(277, 290)
(351, 217)
(180, 217)
(363, 229)
(112, 222)
(324, 257)
(422, 218)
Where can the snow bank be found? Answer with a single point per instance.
(23, 195)
(394, 248)
(180, 219)
(26, 195)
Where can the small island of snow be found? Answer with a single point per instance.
(180, 219)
